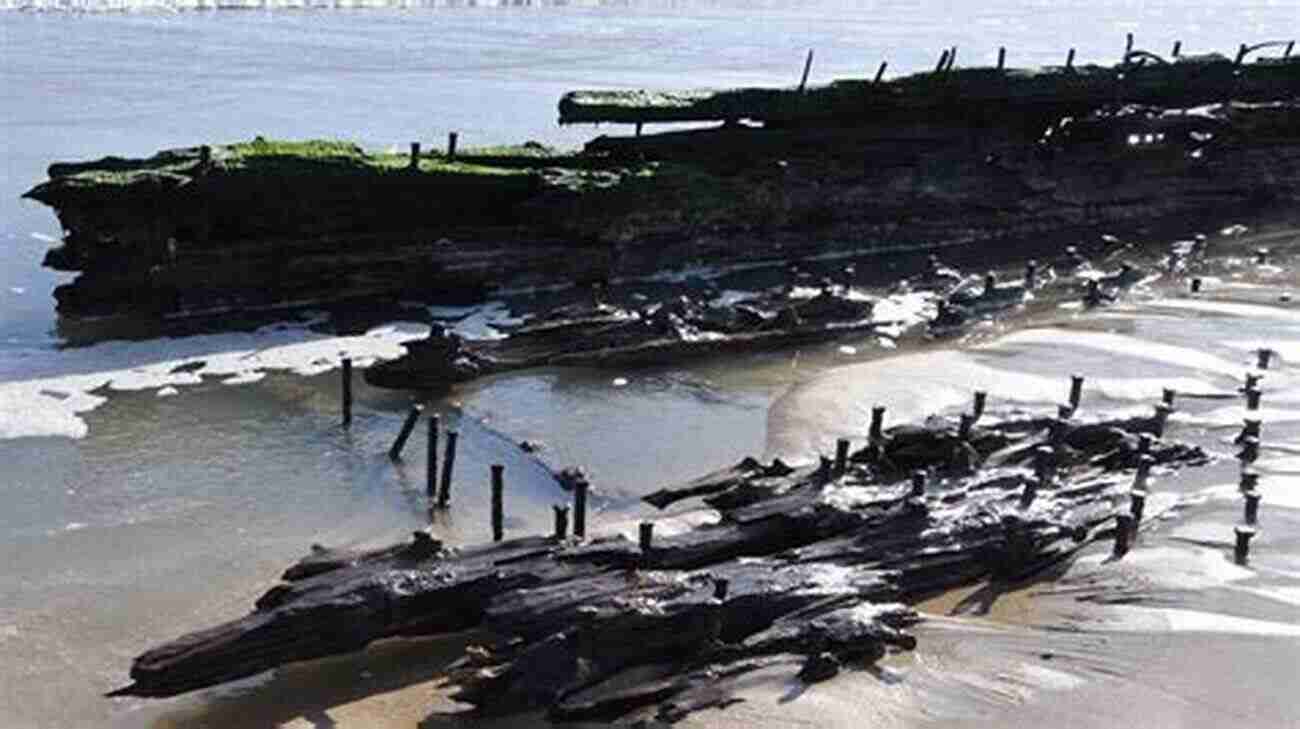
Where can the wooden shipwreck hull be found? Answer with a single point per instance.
(805, 565)
(663, 333)
(923, 161)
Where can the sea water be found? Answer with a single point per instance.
(157, 479)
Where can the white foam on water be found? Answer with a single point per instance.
(167, 391)
(51, 405)
(1232, 415)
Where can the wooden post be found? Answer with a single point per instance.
(1137, 504)
(498, 502)
(647, 535)
(1167, 396)
(561, 522)
(877, 431)
(720, 585)
(1069, 60)
(638, 129)
(1196, 285)
(1249, 480)
(1178, 49)
(965, 422)
(1128, 47)
(1249, 451)
(1252, 399)
(1241, 554)
(952, 58)
(1123, 528)
(1252, 381)
(1002, 57)
(918, 482)
(415, 155)
(1144, 443)
(1143, 472)
(807, 66)
(1252, 507)
(1076, 391)
(1265, 358)
(841, 456)
(205, 155)
(448, 466)
(825, 470)
(1241, 54)
(431, 459)
(580, 509)
(1044, 469)
(943, 62)
(347, 392)
(1161, 419)
(1031, 274)
(880, 72)
(1250, 428)
(977, 408)
(1290, 46)
(395, 453)
(451, 145)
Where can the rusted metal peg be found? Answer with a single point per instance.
(448, 468)
(1250, 428)
(347, 391)
(877, 432)
(1249, 450)
(841, 456)
(561, 522)
(943, 62)
(1123, 530)
(1248, 481)
(1076, 391)
(498, 502)
(1265, 357)
(1137, 504)
(1241, 553)
(431, 459)
(1253, 397)
(1251, 509)
(1161, 419)
(408, 427)
(580, 508)
(647, 535)
(1143, 473)
(918, 482)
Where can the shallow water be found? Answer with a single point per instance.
(141, 501)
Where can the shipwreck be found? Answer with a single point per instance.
(951, 155)
(810, 568)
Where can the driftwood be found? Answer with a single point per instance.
(605, 336)
(805, 565)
